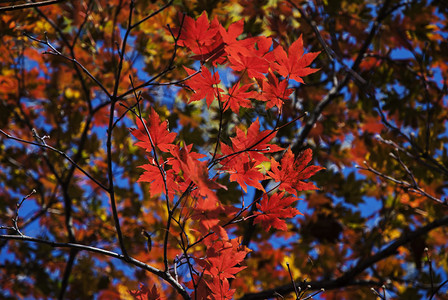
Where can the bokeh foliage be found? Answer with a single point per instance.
(377, 116)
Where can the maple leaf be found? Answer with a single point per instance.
(222, 266)
(272, 209)
(158, 131)
(262, 47)
(294, 64)
(242, 166)
(197, 34)
(220, 289)
(253, 139)
(202, 38)
(242, 170)
(197, 172)
(204, 84)
(235, 30)
(275, 93)
(232, 45)
(144, 293)
(247, 173)
(207, 212)
(242, 61)
(291, 172)
(238, 97)
(247, 55)
(153, 175)
(180, 155)
(214, 55)
(199, 288)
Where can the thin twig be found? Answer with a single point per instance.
(29, 5)
(54, 51)
(67, 272)
(315, 294)
(292, 281)
(16, 217)
(430, 269)
(130, 260)
(376, 293)
(348, 278)
(438, 289)
(63, 154)
(408, 186)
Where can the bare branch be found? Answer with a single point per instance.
(349, 277)
(54, 51)
(164, 275)
(29, 5)
(15, 226)
(408, 186)
(61, 153)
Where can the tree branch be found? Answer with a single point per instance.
(349, 277)
(166, 276)
(29, 5)
(61, 153)
(67, 272)
(338, 86)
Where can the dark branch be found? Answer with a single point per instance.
(164, 275)
(29, 5)
(349, 277)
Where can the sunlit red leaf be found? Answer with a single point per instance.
(197, 34)
(223, 265)
(275, 92)
(158, 131)
(204, 84)
(291, 172)
(237, 97)
(294, 64)
(154, 176)
(220, 289)
(274, 209)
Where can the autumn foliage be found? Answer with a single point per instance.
(182, 175)
(223, 149)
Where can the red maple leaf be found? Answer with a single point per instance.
(202, 38)
(179, 155)
(275, 93)
(204, 84)
(237, 97)
(214, 55)
(207, 212)
(273, 209)
(153, 175)
(247, 173)
(223, 265)
(144, 293)
(199, 287)
(291, 172)
(197, 34)
(158, 131)
(197, 171)
(243, 170)
(247, 152)
(254, 139)
(222, 41)
(220, 289)
(235, 30)
(242, 60)
(294, 64)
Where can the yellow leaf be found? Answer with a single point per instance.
(290, 260)
(124, 292)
